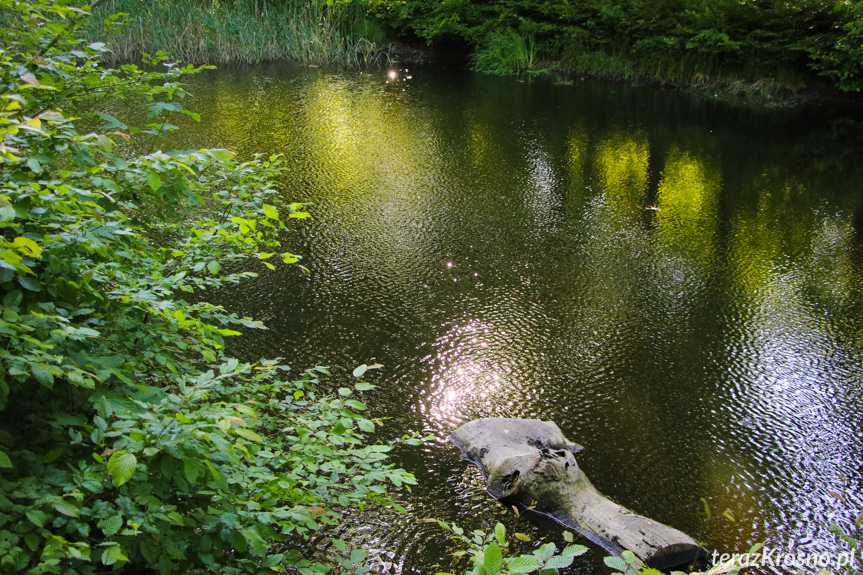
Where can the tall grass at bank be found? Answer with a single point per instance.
(507, 52)
(242, 31)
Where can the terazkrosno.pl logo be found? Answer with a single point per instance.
(771, 557)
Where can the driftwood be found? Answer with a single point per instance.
(527, 461)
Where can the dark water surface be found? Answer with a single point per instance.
(675, 282)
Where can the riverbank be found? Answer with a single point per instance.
(766, 92)
(346, 35)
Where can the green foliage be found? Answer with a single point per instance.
(850, 535)
(127, 435)
(487, 553)
(685, 41)
(839, 56)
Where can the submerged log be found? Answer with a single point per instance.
(527, 460)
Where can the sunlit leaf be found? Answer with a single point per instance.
(706, 507)
(248, 434)
(522, 565)
(221, 155)
(122, 466)
(493, 561)
(66, 508)
(500, 534)
(615, 563)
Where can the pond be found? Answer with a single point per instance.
(676, 282)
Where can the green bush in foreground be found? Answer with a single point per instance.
(126, 434)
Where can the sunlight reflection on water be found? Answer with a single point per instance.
(676, 283)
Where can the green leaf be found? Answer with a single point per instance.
(29, 283)
(37, 518)
(558, 562)
(271, 212)
(192, 470)
(360, 370)
(257, 545)
(111, 122)
(706, 507)
(213, 470)
(150, 549)
(361, 386)
(111, 525)
(122, 465)
(33, 540)
(616, 563)
(522, 564)
(573, 550)
(500, 534)
(43, 376)
(545, 552)
(214, 267)
(248, 434)
(354, 404)
(66, 508)
(221, 155)
(166, 566)
(339, 428)
(154, 180)
(366, 425)
(53, 455)
(5, 461)
(113, 555)
(628, 556)
(493, 561)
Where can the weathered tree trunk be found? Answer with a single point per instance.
(527, 461)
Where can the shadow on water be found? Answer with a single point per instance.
(676, 283)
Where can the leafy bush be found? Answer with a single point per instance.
(127, 435)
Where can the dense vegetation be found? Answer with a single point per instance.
(756, 47)
(127, 434)
(688, 41)
(315, 32)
